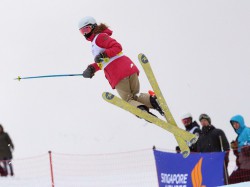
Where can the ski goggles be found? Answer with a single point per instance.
(86, 30)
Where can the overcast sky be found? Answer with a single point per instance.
(199, 50)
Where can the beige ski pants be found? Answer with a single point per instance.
(129, 87)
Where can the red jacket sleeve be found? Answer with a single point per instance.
(111, 46)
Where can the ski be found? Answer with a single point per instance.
(186, 136)
(167, 114)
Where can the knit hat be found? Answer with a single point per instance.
(205, 116)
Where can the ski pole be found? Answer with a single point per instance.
(46, 76)
(224, 164)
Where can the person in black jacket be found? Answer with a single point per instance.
(212, 139)
(6, 147)
(192, 127)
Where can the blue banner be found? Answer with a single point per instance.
(197, 170)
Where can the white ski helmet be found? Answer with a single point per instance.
(88, 20)
(187, 115)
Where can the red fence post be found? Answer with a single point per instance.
(51, 169)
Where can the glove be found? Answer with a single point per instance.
(99, 58)
(89, 72)
(234, 145)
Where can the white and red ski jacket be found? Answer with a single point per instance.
(119, 66)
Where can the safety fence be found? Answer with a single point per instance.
(128, 169)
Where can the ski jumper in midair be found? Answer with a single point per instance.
(119, 70)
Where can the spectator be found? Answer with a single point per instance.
(6, 147)
(243, 132)
(192, 127)
(241, 149)
(212, 139)
(178, 149)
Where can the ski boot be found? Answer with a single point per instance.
(154, 103)
(146, 109)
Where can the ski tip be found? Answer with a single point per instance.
(185, 154)
(143, 58)
(107, 95)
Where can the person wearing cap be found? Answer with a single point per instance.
(192, 127)
(119, 69)
(212, 139)
(6, 148)
(241, 149)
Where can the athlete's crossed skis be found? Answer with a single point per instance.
(162, 102)
(145, 115)
(182, 136)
